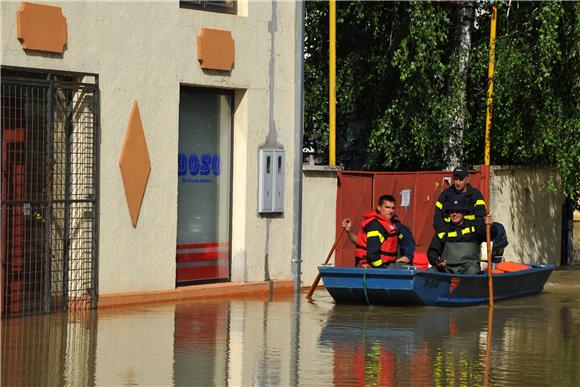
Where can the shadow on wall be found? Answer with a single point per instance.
(531, 215)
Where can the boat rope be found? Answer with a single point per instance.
(365, 286)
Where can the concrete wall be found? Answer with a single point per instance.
(144, 52)
(319, 191)
(532, 216)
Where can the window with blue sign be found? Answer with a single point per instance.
(204, 185)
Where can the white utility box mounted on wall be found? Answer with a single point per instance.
(271, 180)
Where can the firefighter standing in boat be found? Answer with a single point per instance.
(382, 238)
(460, 189)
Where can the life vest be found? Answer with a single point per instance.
(388, 234)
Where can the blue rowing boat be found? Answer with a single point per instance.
(350, 285)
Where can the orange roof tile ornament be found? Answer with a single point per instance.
(134, 164)
(41, 27)
(216, 49)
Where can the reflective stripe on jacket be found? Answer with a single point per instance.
(472, 196)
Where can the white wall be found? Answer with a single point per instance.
(143, 52)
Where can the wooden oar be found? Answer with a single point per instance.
(317, 280)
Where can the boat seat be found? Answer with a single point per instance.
(420, 261)
(510, 267)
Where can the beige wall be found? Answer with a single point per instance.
(144, 52)
(532, 216)
(318, 219)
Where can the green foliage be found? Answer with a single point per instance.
(397, 72)
(365, 46)
(535, 113)
(403, 136)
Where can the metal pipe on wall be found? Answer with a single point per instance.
(298, 138)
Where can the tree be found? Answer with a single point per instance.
(402, 92)
(367, 33)
(458, 87)
(535, 113)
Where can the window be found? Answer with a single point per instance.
(204, 185)
(223, 6)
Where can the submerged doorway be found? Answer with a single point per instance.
(204, 188)
(49, 219)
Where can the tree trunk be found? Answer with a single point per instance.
(454, 151)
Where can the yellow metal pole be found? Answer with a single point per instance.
(490, 73)
(489, 104)
(332, 81)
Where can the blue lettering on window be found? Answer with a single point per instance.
(181, 164)
(215, 165)
(193, 164)
(196, 165)
(205, 165)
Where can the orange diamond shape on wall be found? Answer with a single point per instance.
(135, 164)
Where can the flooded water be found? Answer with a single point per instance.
(534, 341)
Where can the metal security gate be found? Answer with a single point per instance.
(49, 222)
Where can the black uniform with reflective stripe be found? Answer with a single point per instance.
(472, 197)
(469, 231)
(407, 243)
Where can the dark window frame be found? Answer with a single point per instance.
(210, 6)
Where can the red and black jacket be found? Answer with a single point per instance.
(377, 240)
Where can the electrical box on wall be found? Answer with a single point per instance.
(271, 180)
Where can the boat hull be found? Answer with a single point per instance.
(413, 287)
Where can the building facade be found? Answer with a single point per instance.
(146, 146)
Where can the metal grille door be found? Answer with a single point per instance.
(49, 191)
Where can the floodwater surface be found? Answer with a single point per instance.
(534, 341)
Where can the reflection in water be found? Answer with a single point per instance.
(47, 350)
(200, 343)
(488, 347)
(285, 342)
(419, 346)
